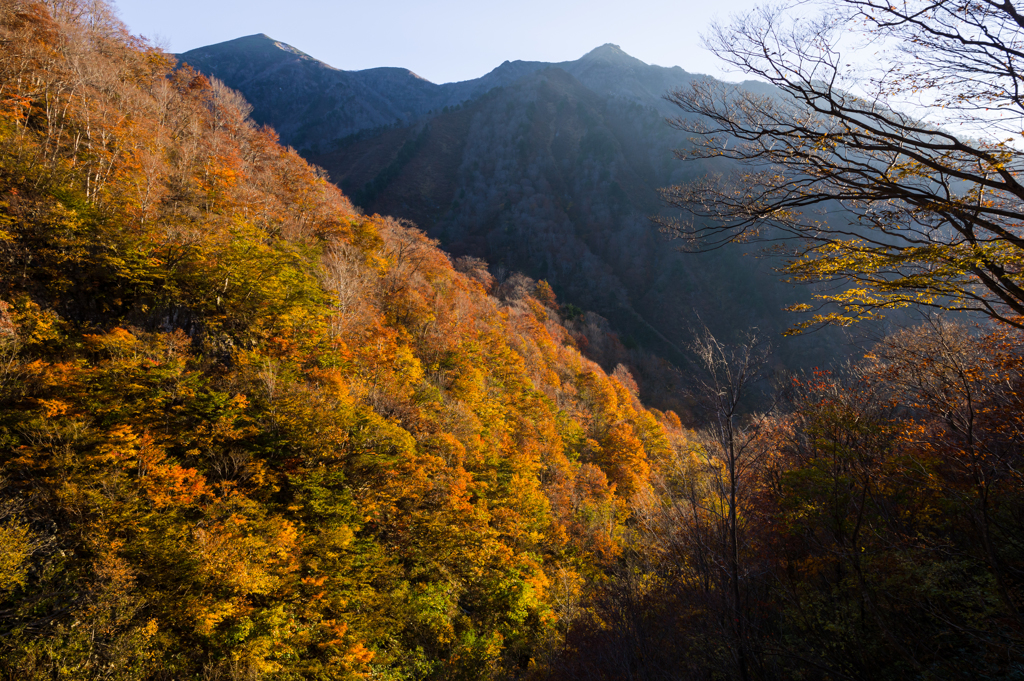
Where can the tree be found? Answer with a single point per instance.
(729, 372)
(891, 506)
(854, 169)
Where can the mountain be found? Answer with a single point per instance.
(548, 169)
(312, 104)
(249, 433)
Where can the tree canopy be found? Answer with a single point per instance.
(886, 160)
(247, 432)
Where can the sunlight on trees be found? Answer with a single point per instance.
(885, 161)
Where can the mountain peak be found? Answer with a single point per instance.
(610, 52)
(256, 45)
(243, 41)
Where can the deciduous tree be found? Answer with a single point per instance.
(885, 159)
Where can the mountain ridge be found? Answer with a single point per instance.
(389, 95)
(551, 169)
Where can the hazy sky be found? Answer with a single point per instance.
(443, 40)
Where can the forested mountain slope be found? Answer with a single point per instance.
(246, 432)
(555, 174)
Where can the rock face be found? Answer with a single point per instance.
(549, 169)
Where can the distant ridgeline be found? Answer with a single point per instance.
(314, 106)
(548, 169)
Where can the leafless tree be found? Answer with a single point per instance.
(729, 373)
(885, 158)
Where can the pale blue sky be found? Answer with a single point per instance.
(443, 40)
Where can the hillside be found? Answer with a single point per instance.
(314, 106)
(246, 432)
(554, 173)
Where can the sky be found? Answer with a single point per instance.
(444, 40)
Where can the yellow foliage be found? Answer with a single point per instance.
(16, 547)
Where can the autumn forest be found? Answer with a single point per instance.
(248, 431)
